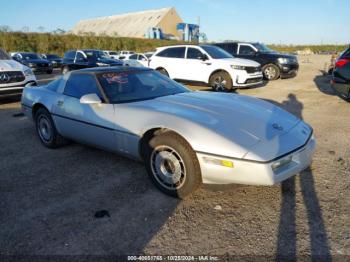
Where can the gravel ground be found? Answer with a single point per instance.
(49, 197)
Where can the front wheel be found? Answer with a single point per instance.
(163, 71)
(172, 165)
(221, 82)
(271, 72)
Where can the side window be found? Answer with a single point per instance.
(174, 52)
(133, 57)
(80, 57)
(246, 50)
(194, 53)
(81, 84)
(142, 58)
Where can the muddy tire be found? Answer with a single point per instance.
(172, 165)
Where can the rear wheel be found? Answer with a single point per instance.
(163, 71)
(271, 72)
(46, 129)
(172, 165)
(221, 82)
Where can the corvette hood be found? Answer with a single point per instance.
(241, 120)
(10, 65)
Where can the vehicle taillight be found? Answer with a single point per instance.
(342, 62)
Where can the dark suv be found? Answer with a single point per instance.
(274, 64)
(79, 59)
(341, 75)
(34, 61)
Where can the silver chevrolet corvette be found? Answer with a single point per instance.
(184, 137)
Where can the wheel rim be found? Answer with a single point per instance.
(168, 168)
(270, 72)
(220, 84)
(44, 128)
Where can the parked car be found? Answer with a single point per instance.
(79, 59)
(54, 59)
(13, 76)
(341, 75)
(207, 64)
(184, 137)
(111, 54)
(274, 64)
(122, 55)
(139, 59)
(34, 61)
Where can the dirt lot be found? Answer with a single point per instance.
(49, 197)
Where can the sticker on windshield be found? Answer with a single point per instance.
(120, 78)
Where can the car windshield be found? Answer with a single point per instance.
(28, 56)
(216, 52)
(96, 54)
(132, 86)
(4, 55)
(263, 48)
(52, 56)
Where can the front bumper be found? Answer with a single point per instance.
(256, 173)
(14, 89)
(240, 78)
(288, 70)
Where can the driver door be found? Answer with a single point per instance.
(86, 123)
(195, 68)
(246, 51)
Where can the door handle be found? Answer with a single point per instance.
(60, 103)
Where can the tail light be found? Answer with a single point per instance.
(342, 62)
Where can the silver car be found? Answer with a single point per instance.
(184, 137)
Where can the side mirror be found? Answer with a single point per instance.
(90, 99)
(204, 57)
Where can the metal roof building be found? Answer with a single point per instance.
(132, 24)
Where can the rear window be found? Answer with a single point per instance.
(346, 54)
(174, 52)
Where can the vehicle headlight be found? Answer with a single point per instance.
(237, 67)
(102, 64)
(283, 60)
(31, 65)
(282, 162)
(28, 72)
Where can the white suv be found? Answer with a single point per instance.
(13, 76)
(206, 63)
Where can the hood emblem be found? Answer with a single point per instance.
(277, 127)
(4, 78)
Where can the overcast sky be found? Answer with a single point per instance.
(269, 21)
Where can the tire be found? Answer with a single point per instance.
(271, 72)
(221, 82)
(65, 70)
(49, 71)
(163, 71)
(46, 130)
(169, 157)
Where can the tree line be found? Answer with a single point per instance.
(58, 43)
